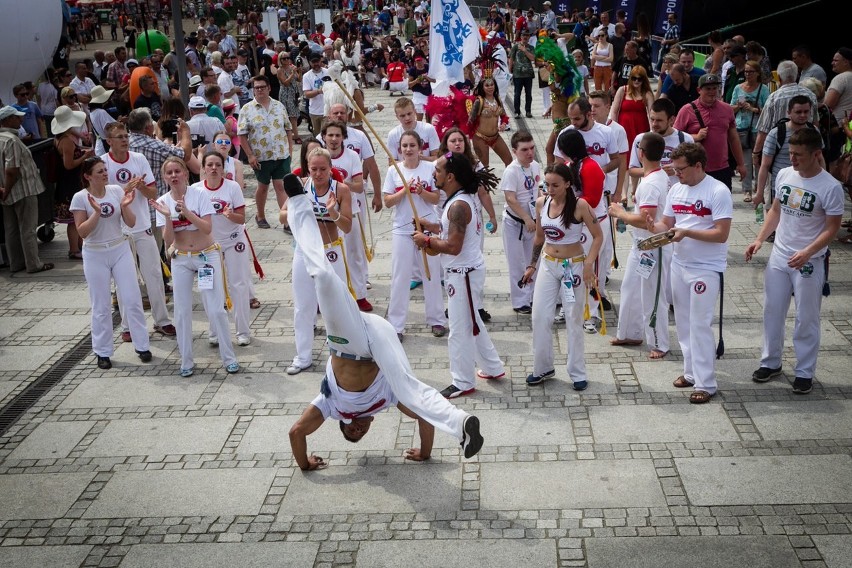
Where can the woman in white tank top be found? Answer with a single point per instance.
(603, 55)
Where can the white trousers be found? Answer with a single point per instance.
(395, 86)
(365, 336)
(518, 245)
(237, 256)
(404, 257)
(550, 290)
(100, 266)
(467, 350)
(356, 257)
(779, 283)
(638, 296)
(184, 276)
(695, 291)
(148, 255)
(601, 264)
(305, 298)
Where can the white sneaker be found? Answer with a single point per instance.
(560, 316)
(369, 286)
(294, 369)
(243, 340)
(590, 325)
(213, 341)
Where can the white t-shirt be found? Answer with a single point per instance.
(805, 203)
(427, 133)
(523, 182)
(205, 126)
(229, 195)
(225, 82)
(600, 143)
(310, 82)
(350, 167)
(197, 201)
(119, 173)
(842, 84)
(652, 191)
(699, 207)
(346, 405)
(423, 175)
(108, 228)
(623, 146)
(673, 140)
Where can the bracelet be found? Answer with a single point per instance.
(531, 266)
(339, 215)
(371, 108)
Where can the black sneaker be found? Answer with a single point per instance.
(802, 386)
(580, 385)
(104, 363)
(484, 315)
(524, 310)
(471, 438)
(453, 391)
(605, 303)
(144, 356)
(763, 374)
(538, 379)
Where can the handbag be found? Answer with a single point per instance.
(841, 169)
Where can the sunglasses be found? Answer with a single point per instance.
(636, 79)
(223, 142)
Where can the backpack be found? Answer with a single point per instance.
(781, 136)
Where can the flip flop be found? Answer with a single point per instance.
(700, 397)
(44, 267)
(656, 354)
(682, 383)
(626, 342)
(254, 303)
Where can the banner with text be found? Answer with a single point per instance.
(664, 8)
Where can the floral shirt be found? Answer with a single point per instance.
(266, 129)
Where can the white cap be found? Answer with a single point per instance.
(197, 102)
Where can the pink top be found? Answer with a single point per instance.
(718, 118)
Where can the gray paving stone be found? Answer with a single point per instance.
(601, 380)
(43, 556)
(132, 390)
(254, 555)
(60, 325)
(159, 436)
(51, 300)
(29, 358)
(521, 427)
(51, 440)
(802, 419)
(657, 376)
(268, 387)
(268, 434)
(413, 487)
(7, 386)
(503, 553)
(183, 493)
(836, 550)
(438, 377)
(40, 496)
(660, 423)
(766, 480)
(10, 324)
(570, 485)
(833, 371)
(695, 552)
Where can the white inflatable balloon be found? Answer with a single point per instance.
(29, 33)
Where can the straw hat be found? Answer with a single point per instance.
(100, 95)
(64, 119)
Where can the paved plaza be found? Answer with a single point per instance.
(136, 466)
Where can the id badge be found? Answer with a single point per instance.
(205, 277)
(646, 265)
(568, 296)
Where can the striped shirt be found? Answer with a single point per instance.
(15, 154)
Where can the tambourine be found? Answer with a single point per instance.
(656, 241)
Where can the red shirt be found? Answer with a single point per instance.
(396, 72)
(592, 178)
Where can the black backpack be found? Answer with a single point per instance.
(781, 136)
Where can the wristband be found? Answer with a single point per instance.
(531, 266)
(339, 215)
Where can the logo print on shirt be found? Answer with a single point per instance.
(596, 149)
(240, 247)
(123, 175)
(700, 287)
(218, 205)
(696, 209)
(553, 233)
(107, 209)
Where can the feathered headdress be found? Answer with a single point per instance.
(563, 69)
(449, 111)
(487, 60)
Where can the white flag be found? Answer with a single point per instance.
(453, 43)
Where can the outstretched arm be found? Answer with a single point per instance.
(307, 424)
(427, 436)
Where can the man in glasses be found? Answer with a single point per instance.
(699, 209)
(367, 370)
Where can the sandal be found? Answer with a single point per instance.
(75, 256)
(747, 198)
(682, 383)
(656, 355)
(700, 397)
(254, 303)
(626, 341)
(44, 267)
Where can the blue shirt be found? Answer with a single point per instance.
(30, 121)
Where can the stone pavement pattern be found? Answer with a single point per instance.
(137, 467)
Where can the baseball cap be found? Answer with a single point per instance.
(132, 62)
(197, 102)
(8, 111)
(419, 58)
(314, 56)
(709, 79)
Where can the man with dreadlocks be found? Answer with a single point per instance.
(464, 270)
(565, 81)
